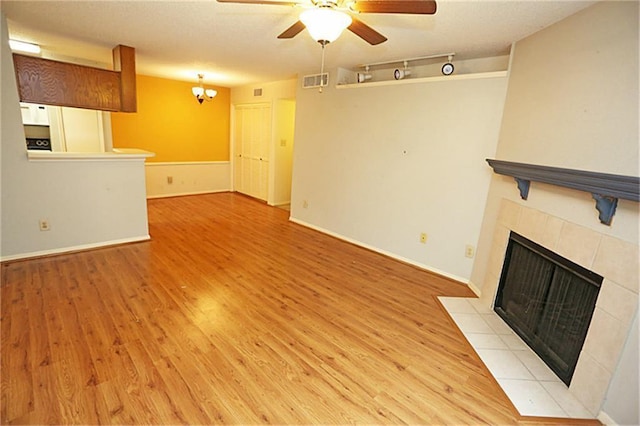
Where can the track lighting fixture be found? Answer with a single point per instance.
(363, 76)
(201, 93)
(399, 74)
(447, 69)
(404, 72)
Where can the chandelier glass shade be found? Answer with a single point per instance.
(201, 93)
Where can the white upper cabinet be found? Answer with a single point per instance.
(35, 115)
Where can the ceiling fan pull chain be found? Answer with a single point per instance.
(322, 69)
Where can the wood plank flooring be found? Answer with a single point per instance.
(232, 314)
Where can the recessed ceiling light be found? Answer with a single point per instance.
(23, 46)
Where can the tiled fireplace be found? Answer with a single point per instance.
(614, 259)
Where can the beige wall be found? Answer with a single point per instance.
(572, 101)
(380, 165)
(573, 93)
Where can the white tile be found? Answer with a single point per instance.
(532, 223)
(481, 306)
(618, 261)
(617, 300)
(497, 324)
(531, 399)
(457, 304)
(503, 364)
(578, 244)
(485, 341)
(509, 213)
(560, 393)
(514, 342)
(605, 339)
(590, 383)
(536, 366)
(471, 323)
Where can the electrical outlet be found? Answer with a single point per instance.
(169, 179)
(44, 225)
(469, 251)
(423, 238)
(305, 204)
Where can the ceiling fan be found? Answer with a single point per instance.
(326, 19)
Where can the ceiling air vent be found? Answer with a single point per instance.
(315, 80)
(257, 92)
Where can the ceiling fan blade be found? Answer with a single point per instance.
(274, 3)
(293, 30)
(365, 32)
(414, 7)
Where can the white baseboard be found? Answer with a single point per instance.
(384, 252)
(605, 419)
(81, 247)
(182, 194)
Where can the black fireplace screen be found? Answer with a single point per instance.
(548, 301)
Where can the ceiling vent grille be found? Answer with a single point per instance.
(315, 80)
(257, 92)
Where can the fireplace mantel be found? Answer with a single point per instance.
(605, 188)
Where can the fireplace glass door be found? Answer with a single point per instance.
(548, 301)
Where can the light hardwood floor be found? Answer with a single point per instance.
(232, 314)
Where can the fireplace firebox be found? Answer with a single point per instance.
(548, 301)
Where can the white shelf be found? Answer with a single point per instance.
(474, 76)
(122, 154)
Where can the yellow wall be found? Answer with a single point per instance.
(171, 123)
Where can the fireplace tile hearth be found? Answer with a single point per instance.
(504, 364)
(531, 398)
(526, 380)
(615, 259)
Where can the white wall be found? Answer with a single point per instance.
(285, 89)
(284, 125)
(572, 102)
(87, 204)
(622, 404)
(194, 177)
(380, 165)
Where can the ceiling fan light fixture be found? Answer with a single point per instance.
(325, 24)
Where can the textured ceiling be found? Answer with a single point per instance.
(236, 44)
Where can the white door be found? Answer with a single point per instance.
(252, 134)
